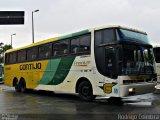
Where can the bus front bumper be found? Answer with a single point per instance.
(136, 89)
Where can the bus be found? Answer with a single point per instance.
(156, 51)
(1, 73)
(111, 61)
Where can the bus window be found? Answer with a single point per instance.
(108, 36)
(111, 70)
(105, 36)
(157, 54)
(21, 56)
(45, 51)
(74, 45)
(32, 53)
(81, 44)
(85, 43)
(60, 48)
(12, 57)
(6, 58)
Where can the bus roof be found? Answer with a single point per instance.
(122, 27)
(156, 46)
(50, 40)
(72, 35)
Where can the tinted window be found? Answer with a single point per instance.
(6, 58)
(12, 57)
(74, 45)
(98, 37)
(21, 56)
(85, 43)
(157, 54)
(104, 36)
(81, 44)
(32, 53)
(102, 56)
(108, 36)
(60, 48)
(128, 35)
(45, 51)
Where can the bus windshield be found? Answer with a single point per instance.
(136, 60)
(127, 35)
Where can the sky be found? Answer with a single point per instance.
(60, 17)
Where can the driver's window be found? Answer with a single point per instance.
(110, 63)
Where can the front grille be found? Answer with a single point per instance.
(132, 81)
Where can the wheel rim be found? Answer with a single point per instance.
(16, 85)
(86, 91)
(22, 88)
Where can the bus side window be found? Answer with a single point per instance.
(111, 70)
(81, 44)
(45, 51)
(85, 42)
(21, 55)
(32, 53)
(157, 54)
(74, 45)
(7, 58)
(60, 48)
(12, 57)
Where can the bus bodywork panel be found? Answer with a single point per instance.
(59, 74)
(140, 84)
(32, 72)
(62, 73)
(47, 72)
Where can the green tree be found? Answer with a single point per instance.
(3, 48)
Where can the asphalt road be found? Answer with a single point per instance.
(47, 105)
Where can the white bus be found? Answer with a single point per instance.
(156, 50)
(111, 61)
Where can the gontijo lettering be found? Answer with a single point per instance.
(30, 66)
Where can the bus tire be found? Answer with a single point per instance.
(85, 91)
(22, 86)
(16, 85)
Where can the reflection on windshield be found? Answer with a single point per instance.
(137, 60)
(127, 35)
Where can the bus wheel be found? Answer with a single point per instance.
(85, 91)
(17, 89)
(23, 86)
(16, 86)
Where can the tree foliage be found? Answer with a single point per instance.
(3, 48)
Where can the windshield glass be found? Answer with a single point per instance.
(126, 35)
(136, 60)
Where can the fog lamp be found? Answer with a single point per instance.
(131, 90)
(155, 87)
